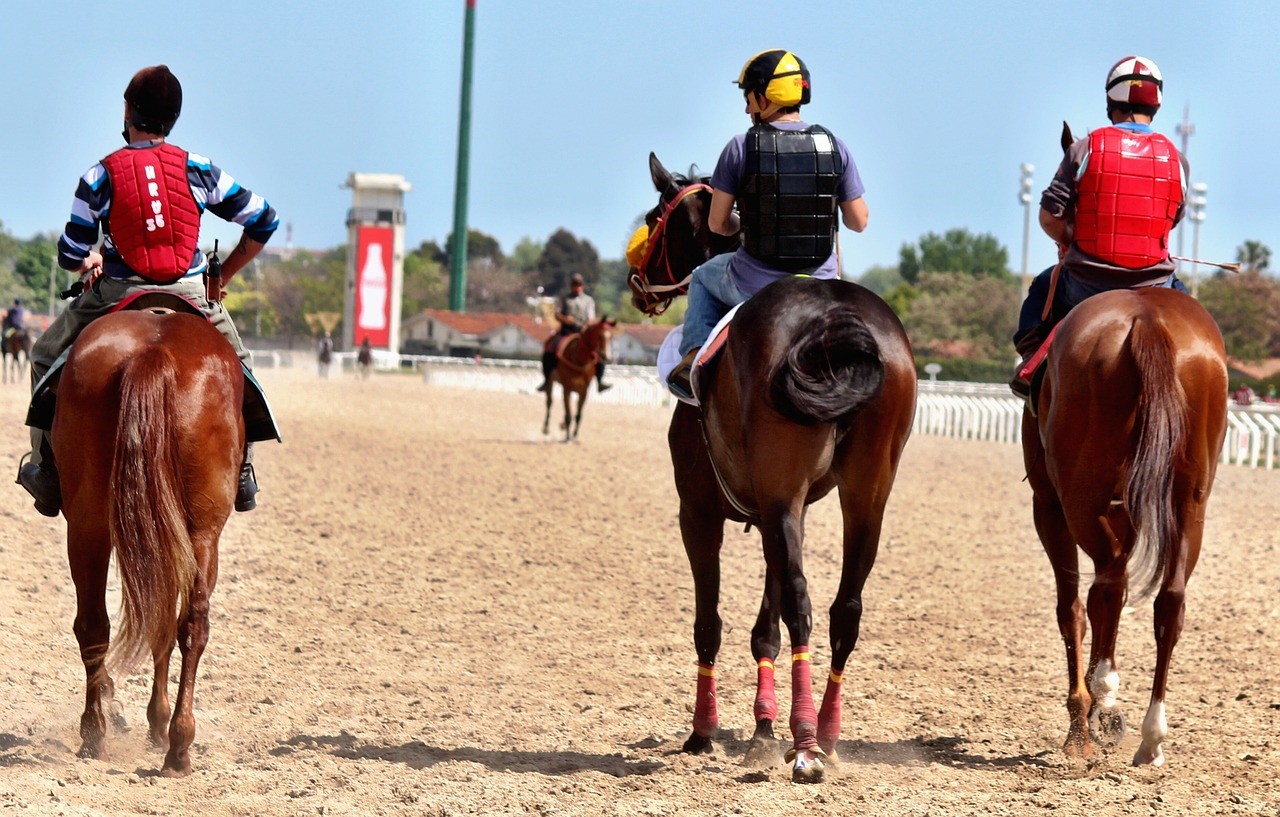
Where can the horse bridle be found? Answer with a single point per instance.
(657, 236)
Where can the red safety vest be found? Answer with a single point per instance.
(154, 221)
(1128, 198)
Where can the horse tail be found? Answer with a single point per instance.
(147, 514)
(1162, 427)
(831, 370)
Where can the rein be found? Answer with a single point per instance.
(656, 243)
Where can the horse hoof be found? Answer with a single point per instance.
(1149, 756)
(763, 753)
(175, 766)
(92, 750)
(697, 745)
(806, 765)
(1107, 726)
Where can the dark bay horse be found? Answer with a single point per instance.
(576, 361)
(1121, 456)
(148, 437)
(814, 391)
(15, 353)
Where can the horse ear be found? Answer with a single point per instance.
(1067, 138)
(661, 176)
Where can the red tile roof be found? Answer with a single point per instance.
(650, 335)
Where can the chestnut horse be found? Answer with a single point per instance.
(815, 390)
(148, 437)
(576, 361)
(15, 353)
(1121, 452)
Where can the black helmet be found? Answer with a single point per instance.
(17, 302)
(154, 96)
(780, 75)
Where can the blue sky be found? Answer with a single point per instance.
(939, 102)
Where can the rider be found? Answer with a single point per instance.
(781, 164)
(574, 311)
(1110, 207)
(147, 197)
(15, 319)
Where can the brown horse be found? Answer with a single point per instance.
(576, 360)
(1121, 455)
(148, 436)
(15, 353)
(815, 390)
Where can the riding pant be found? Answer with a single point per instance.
(712, 293)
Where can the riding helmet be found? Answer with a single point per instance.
(1135, 81)
(155, 99)
(780, 75)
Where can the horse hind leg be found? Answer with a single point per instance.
(158, 711)
(89, 558)
(193, 636)
(1106, 602)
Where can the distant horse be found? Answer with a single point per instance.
(15, 353)
(364, 361)
(576, 361)
(815, 390)
(1121, 453)
(324, 357)
(148, 437)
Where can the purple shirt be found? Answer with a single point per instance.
(750, 273)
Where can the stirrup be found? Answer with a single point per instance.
(247, 489)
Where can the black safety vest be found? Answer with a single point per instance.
(787, 197)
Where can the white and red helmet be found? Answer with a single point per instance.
(1135, 81)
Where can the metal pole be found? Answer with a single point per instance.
(1197, 204)
(1025, 197)
(458, 250)
(1185, 130)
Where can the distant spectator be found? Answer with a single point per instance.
(1271, 394)
(1243, 395)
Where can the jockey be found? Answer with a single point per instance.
(779, 153)
(574, 311)
(1108, 241)
(15, 319)
(147, 198)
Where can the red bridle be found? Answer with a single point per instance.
(651, 294)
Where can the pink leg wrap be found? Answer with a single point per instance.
(766, 708)
(804, 720)
(829, 716)
(705, 718)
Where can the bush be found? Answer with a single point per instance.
(968, 371)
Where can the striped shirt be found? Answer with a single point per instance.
(213, 188)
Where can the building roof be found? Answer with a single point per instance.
(650, 335)
(483, 323)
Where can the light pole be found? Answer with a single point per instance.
(1024, 196)
(1196, 204)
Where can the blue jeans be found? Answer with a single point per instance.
(712, 293)
(1069, 293)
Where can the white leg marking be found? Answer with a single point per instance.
(1105, 684)
(1155, 728)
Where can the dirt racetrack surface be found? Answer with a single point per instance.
(436, 612)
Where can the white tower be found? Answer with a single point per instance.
(375, 260)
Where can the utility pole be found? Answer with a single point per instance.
(1195, 206)
(458, 250)
(1185, 130)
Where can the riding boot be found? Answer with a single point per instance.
(1027, 346)
(548, 365)
(601, 386)
(247, 489)
(42, 482)
(678, 381)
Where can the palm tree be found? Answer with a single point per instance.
(1254, 255)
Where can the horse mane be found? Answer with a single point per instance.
(693, 177)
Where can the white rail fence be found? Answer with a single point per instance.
(975, 411)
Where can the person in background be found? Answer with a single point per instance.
(574, 310)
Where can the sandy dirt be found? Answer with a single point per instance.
(436, 612)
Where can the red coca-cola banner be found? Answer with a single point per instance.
(374, 247)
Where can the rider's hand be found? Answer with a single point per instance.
(92, 263)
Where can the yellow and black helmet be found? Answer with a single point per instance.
(780, 75)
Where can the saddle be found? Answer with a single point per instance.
(259, 423)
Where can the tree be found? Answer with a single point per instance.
(961, 315)
(957, 250)
(426, 280)
(881, 279)
(526, 254)
(480, 247)
(1247, 309)
(1254, 255)
(563, 256)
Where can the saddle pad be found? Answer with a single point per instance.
(669, 358)
(715, 342)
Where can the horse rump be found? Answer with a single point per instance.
(830, 372)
